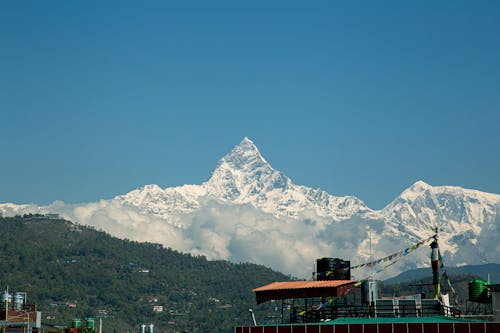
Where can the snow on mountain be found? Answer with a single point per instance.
(465, 218)
(244, 177)
(455, 209)
(164, 203)
(248, 211)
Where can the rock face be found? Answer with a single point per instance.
(248, 211)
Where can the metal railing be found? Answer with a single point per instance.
(394, 310)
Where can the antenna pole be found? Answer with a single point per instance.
(371, 254)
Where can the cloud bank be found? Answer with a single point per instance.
(242, 233)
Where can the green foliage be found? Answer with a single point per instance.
(60, 264)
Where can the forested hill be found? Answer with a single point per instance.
(72, 271)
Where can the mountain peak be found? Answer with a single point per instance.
(246, 141)
(420, 186)
(415, 190)
(246, 152)
(247, 145)
(243, 174)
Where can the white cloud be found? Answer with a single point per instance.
(242, 233)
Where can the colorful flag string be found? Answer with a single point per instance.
(395, 255)
(393, 258)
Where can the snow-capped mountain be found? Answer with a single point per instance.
(452, 208)
(248, 211)
(244, 177)
(465, 218)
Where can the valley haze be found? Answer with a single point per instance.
(249, 212)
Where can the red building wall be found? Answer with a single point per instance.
(486, 327)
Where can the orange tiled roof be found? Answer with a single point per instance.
(303, 289)
(304, 285)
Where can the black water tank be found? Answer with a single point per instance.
(333, 269)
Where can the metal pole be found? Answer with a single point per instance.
(436, 288)
(6, 309)
(253, 317)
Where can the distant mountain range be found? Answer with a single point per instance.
(244, 177)
(248, 211)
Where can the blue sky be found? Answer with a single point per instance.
(357, 98)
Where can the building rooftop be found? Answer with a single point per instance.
(303, 289)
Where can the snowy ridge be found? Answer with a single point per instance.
(244, 177)
(465, 218)
(164, 203)
(248, 211)
(452, 208)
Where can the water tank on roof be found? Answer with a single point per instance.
(76, 323)
(6, 297)
(333, 269)
(479, 291)
(19, 300)
(90, 322)
(369, 291)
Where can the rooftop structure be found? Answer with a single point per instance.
(332, 304)
(303, 289)
(16, 315)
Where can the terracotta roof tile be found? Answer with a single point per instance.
(303, 289)
(304, 284)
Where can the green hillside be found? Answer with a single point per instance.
(74, 271)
